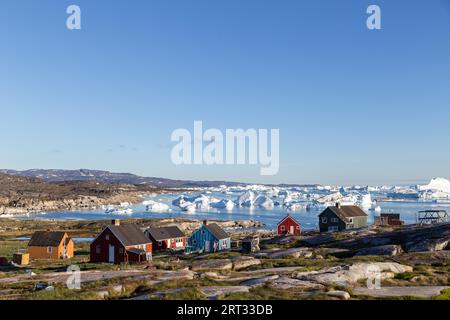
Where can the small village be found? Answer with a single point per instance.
(126, 260)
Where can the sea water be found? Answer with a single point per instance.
(270, 217)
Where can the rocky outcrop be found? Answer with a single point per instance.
(294, 253)
(214, 292)
(255, 282)
(213, 264)
(348, 275)
(244, 262)
(387, 250)
(411, 238)
(427, 245)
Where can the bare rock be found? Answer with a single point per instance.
(213, 264)
(386, 250)
(285, 283)
(348, 275)
(259, 281)
(184, 274)
(428, 245)
(213, 292)
(292, 253)
(343, 295)
(244, 262)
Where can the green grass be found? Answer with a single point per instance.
(268, 293)
(445, 295)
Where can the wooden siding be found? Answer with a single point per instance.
(200, 238)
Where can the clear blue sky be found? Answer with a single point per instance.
(352, 105)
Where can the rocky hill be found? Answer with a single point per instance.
(25, 194)
(55, 175)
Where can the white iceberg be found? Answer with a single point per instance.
(156, 206)
(264, 202)
(224, 204)
(246, 199)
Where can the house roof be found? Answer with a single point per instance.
(46, 239)
(345, 212)
(165, 233)
(287, 217)
(217, 231)
(129, 234)
(136, 251)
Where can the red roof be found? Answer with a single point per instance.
(289, 217)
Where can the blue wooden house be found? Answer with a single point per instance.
(210, 238)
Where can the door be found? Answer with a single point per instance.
(207, 246)
(291, 229)
(111, 254)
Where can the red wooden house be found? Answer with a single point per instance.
(166, 238)
(289, 226)
(121, 244)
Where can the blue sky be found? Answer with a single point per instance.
(353, 106)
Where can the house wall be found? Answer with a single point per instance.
(42, 253)
(104, 243)
(202, 235)
(358, 222)
(288, 223)
(328, 214)
(166, 244)
(132, 257)
(57, 252)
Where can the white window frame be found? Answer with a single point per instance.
(324, 220)
(282, 228)
(49, 249)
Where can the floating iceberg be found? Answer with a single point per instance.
(246, 199)
(156, 206)
(223, 204)
(437, 189)
(437, 185)
(263, 201)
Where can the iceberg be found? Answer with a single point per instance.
(263, 201)
(156, 206)
(246, 199)
(224, 204)
(437, 184)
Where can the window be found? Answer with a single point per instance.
(203, 231)
(98, 249)
(297, 227)
(49, 249)
(107, 237)
(283, 228)
(334, 219)
(120, 250)
(194, 241)
(351, 220)
(160, 243)
(324, 219)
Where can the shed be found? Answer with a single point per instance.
(21, 259)
(250, 244)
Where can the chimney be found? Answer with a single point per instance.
(338, 205)
(205, 222)
(116, 222)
